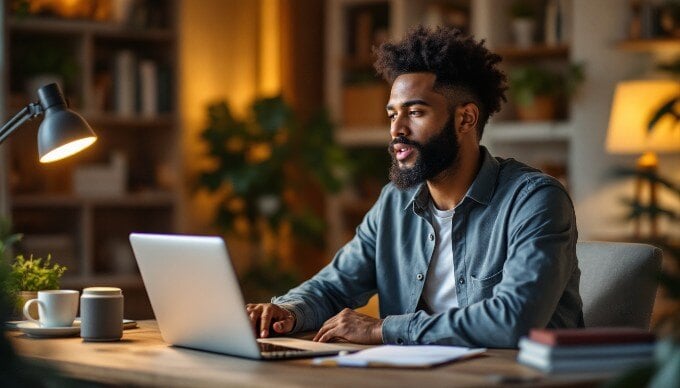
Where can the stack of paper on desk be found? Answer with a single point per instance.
(401, 356)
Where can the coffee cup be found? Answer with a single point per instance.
(56, 308)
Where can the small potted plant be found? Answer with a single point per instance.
(536, 91)
(523, 17)
(30, 275)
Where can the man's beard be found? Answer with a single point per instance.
(433, 157)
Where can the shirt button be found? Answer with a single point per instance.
(400, 341)
(420, 276)
(431, 237)
(461, 280)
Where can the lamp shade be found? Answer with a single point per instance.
(62, 132)
(634, 105)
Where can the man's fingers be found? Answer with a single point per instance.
(284, 326)
(328, 335)
(265, 320)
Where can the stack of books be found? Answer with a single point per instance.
(587, 349)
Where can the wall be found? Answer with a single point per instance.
(218, 48)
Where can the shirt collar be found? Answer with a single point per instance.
(481, 190)
(483, 186)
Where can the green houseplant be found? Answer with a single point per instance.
(30, 275)
(537, 91)
(264, 167)
(7, 239)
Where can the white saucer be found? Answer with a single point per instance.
(33, 329)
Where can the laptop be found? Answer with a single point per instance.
(197, 301)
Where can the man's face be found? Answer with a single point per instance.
(424, 139)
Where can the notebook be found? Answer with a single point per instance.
(197, 301)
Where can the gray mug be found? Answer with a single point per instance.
(101, 314)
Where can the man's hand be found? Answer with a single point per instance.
(268, 314)
(351, 326)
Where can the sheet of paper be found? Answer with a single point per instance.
(401, 356)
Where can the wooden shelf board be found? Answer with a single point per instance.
(155, 199)
(650, 44)
(98, 29)
(527, 132)
(537, 51)
(113, 120)
(115, 280)
(363, 136)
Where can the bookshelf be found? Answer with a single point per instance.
(119, 72)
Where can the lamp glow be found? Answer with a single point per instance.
(67, 150)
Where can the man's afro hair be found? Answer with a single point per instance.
(457, 60)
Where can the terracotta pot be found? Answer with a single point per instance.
(22, 298)
(544, 108)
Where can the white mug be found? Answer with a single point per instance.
(56, 308)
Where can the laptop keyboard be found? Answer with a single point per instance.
(278, 351)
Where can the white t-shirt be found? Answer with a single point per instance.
(439, 292)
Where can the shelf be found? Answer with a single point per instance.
(122, 281)
(642, 45)
(363, 136)
(527, 132)
(113, 120)
(533, 52)
(100, 29)
(150, 199)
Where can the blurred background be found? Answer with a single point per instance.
(263, 121)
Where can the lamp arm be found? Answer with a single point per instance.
(30, 111)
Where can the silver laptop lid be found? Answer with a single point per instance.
(194, 293)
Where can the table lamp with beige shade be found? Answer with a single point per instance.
(633, 108)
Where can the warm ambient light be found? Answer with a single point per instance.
(62, 133)
(635, 105)
(67, 150)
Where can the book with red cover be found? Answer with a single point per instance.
(592, 336)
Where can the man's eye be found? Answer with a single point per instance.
(392, 116)
(415, 113)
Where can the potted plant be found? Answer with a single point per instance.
(30, 275)
(265, 167)
(7, 238)
(537, 91)
(523, 16)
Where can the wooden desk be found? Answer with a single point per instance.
(142, 358)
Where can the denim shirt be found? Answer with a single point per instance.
(514, 252)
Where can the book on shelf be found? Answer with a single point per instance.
(593, 335)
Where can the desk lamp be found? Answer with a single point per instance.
(62, 133)
(634, 105)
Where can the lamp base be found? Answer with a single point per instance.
(647, 166)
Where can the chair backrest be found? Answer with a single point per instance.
(618, 282)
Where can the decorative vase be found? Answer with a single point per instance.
(523, 32)
(543, 108)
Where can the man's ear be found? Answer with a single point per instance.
(468, 117)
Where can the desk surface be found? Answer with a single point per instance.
(142, 358)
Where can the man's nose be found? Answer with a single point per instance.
(399, 127)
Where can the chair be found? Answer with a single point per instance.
(618, 282)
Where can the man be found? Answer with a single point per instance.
(461, 247)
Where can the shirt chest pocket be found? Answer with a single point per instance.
(483, 285)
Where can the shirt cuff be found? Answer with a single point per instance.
(395, 329)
